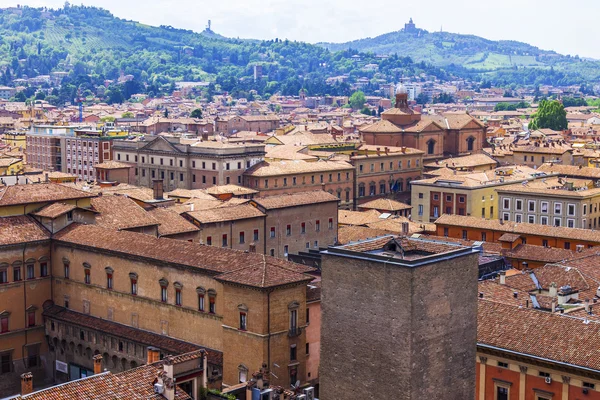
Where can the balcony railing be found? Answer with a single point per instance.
(294, 331)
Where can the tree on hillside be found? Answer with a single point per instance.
(127, 114)
(550, 115)
(197, 113)
(422, 98)
(357, 100)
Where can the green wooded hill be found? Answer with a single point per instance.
(93, 46)
(513, 61)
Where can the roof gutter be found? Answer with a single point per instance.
(548, 360)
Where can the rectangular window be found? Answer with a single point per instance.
(483, 236)
(531, 219)
(177, 297)
(544, 220)
(242, 238)
(519, 205)
(66, 269)
(211, 304)
(571, 223)
(224, 241)
(330, 223)
(502, 364)
(556, 221)
(87, 276)
(209, 240)
(134, 287)
(293, 352)
(318, 225)
(571, 209)
(420, 210)
(286, 250)
(545, 242)
(243, 321)
(109, 281)
(518, 218)
(30, 272)
(288, 230)
(163, 294)
(16, 274)
(557, 208)
(506, 204)
(31, 318)
(307, 349)
(3, 324)
(272, 232)
(531, 206)
(464, 234)
(200, 302)
(256, 235)
(5, 363)
(567, 245)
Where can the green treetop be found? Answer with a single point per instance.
(197, 113)
(357, 100)
(551, 114)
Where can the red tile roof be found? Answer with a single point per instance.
(39, 193)
(120, 212)
(295, 199)
(557, 337)
(235, 266)
(21, 229)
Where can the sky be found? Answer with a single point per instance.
(548, 24)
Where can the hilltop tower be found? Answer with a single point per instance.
(410, 27)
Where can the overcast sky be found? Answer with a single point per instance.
(548, 24)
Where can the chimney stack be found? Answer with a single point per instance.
(153, 355)
(166, 375)
(379, 151)
(386, 149)
(587, 305)
(158, 188)
(26, 383)
(502, 277)
(552, 291)
(553, 305)
(97, 364)
(46, 177)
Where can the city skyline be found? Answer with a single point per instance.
(337, 21)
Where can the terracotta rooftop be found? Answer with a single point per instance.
(230, 189)
(190, 194)
(388, 205)
(21, 229)
(251, 269)
(347, 234)
(54, 210)
(470, 161)
(120, 212)
(134, 384)
(265, 169)
(112, 165)
(346, 217)
(555, 186)
(519, 228)
(171, 223)
(39, 193)
(295, 199)
(539, 334)
(570, 170)
(221, 214)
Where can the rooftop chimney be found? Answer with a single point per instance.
(379, 151)
(587, 305)
(165, 377)
(386, 149)
(502, 277)
(46, 177)
(97, 364)
(158, 188)
(26, 383)
(553, 305)
(153, 355)
(553, 290)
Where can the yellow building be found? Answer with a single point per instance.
(10, 166)
(472, 194)
(14, 139)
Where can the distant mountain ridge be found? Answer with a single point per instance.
(470, 51)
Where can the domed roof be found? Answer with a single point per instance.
(401, 89)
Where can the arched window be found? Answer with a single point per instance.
(243, 373)
(133, 278)
(178, 297)
(201, 293)
(109, 277)
(431, 146)
(212, 296)
(361, 190)
(87, 271)
(470, 142)
(163, 290)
